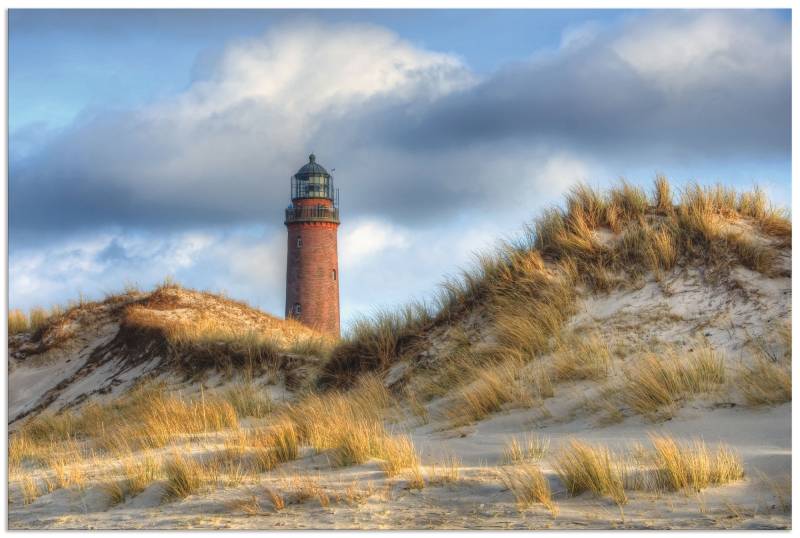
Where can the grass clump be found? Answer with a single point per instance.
(447, 472)
(398, 453)
(184, 477)
(17, 322)
(529, 486)
(693, 466)
(581, 357)
(655, 384)
(584, 467)
(149, 416)
(280, 441)
(497, 385)
(531, 448)
(248, 400)
(766, 381)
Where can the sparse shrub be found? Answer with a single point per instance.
(529, 486)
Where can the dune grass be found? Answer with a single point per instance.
(446, 472)
(532, 448)
(655, 384)
(184, 475)
(529, 486)
(398, 453)
(495, 386)
(766, 381)
(17, 322)
(248, 399)
(594, 468)
(527, 287)
(692, 465)
(149, 416)
(579, 357)
(669, 465)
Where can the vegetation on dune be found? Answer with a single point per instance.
(527, 288)
(656, 383)
(668, 466)
(529, 486)
(213, 331)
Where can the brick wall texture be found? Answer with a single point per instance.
(312, 273)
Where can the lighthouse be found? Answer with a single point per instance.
(312, 262)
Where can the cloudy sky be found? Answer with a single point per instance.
(151, 143)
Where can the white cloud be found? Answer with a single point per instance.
(367, 238)
(685, 49)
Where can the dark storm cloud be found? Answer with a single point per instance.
(422, 132)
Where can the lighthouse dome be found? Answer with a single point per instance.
(312, 168)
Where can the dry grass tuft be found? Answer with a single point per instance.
(147, 417)
(29, 488)
(663, 201)
(532, 448)
(17, 322)
(448, 472)
(751, 254)
(584, 467)
(276, 499)
(68, 471)
(655, 384)
(184, 476)
(766, 382)
(581, 357)
(398, 453)
(510, 382)
(38, 318)
(280, 441)
(529, 486)
(693, 466)
(248, 400)
(140, 473)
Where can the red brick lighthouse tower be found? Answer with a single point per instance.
(312, 264)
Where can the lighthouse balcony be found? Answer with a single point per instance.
(312, 214)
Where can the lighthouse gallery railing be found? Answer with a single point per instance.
(313, 213)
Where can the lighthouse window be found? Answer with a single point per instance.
(297, 309)
(299, 242)
(333, 273)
